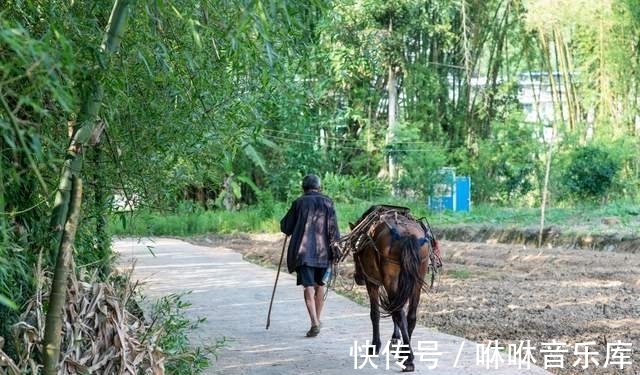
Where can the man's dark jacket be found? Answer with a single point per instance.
(312, 224)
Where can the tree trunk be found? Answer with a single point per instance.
(70, 183)
(545, 192)
(557, 118)
(391, 129)
(392, 91)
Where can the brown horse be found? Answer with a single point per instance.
(392, 252)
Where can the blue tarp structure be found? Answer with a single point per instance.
(451, 193)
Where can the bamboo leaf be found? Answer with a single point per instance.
(7, 302)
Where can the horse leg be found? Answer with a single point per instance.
(395, 337)
(412, 312)
(358, 274)
(374, 313)
(400, 319)
(411, 322)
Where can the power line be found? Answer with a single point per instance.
(313, 140)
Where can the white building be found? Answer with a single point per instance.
(535, 93)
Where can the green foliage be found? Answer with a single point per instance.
(419, 161)
(16, 284)
(269, 91)
(505, 167)
(266, 205)
(248, 220)
(625, 151)
(347, 189)
(590, 173)
(183, 358)
(36, 68)
(193, 221)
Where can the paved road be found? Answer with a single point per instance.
(233, 295)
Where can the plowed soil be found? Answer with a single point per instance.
(563, 302)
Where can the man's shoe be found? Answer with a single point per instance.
(314, 331)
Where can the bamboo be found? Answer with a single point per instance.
(88, 114)
(545, 189)
(557, 118)
(392, 90)
(57, 299)
(3, 216)
(70, 184)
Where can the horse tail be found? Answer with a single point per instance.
(409, 277)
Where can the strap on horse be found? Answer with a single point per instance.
(360, 233)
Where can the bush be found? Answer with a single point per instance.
(182, 356)
(505, 169)
(590, 173)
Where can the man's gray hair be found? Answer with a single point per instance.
(311, 181)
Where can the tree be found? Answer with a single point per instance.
(158, 107)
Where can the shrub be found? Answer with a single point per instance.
(182, 356)
(590, 173)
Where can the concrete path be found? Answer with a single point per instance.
(233, 295)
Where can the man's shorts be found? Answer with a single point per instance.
(310, 276)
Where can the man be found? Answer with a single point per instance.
(312, 224)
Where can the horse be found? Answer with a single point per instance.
(392, 253)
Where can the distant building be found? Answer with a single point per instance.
(535, 93)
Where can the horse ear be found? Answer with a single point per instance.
(351, 226)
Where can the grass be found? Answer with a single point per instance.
(461, 274)
(260, 220)
(191, 223)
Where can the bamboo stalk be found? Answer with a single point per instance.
(3, 220)
(57, 300)
(70, 184)
(88, 114)
(392, 91)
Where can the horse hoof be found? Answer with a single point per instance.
(409, 367)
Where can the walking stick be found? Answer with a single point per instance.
(284, 244)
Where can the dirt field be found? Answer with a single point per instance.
(584, 300)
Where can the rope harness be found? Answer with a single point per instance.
(360, 237)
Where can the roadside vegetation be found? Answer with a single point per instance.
(193, 220)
